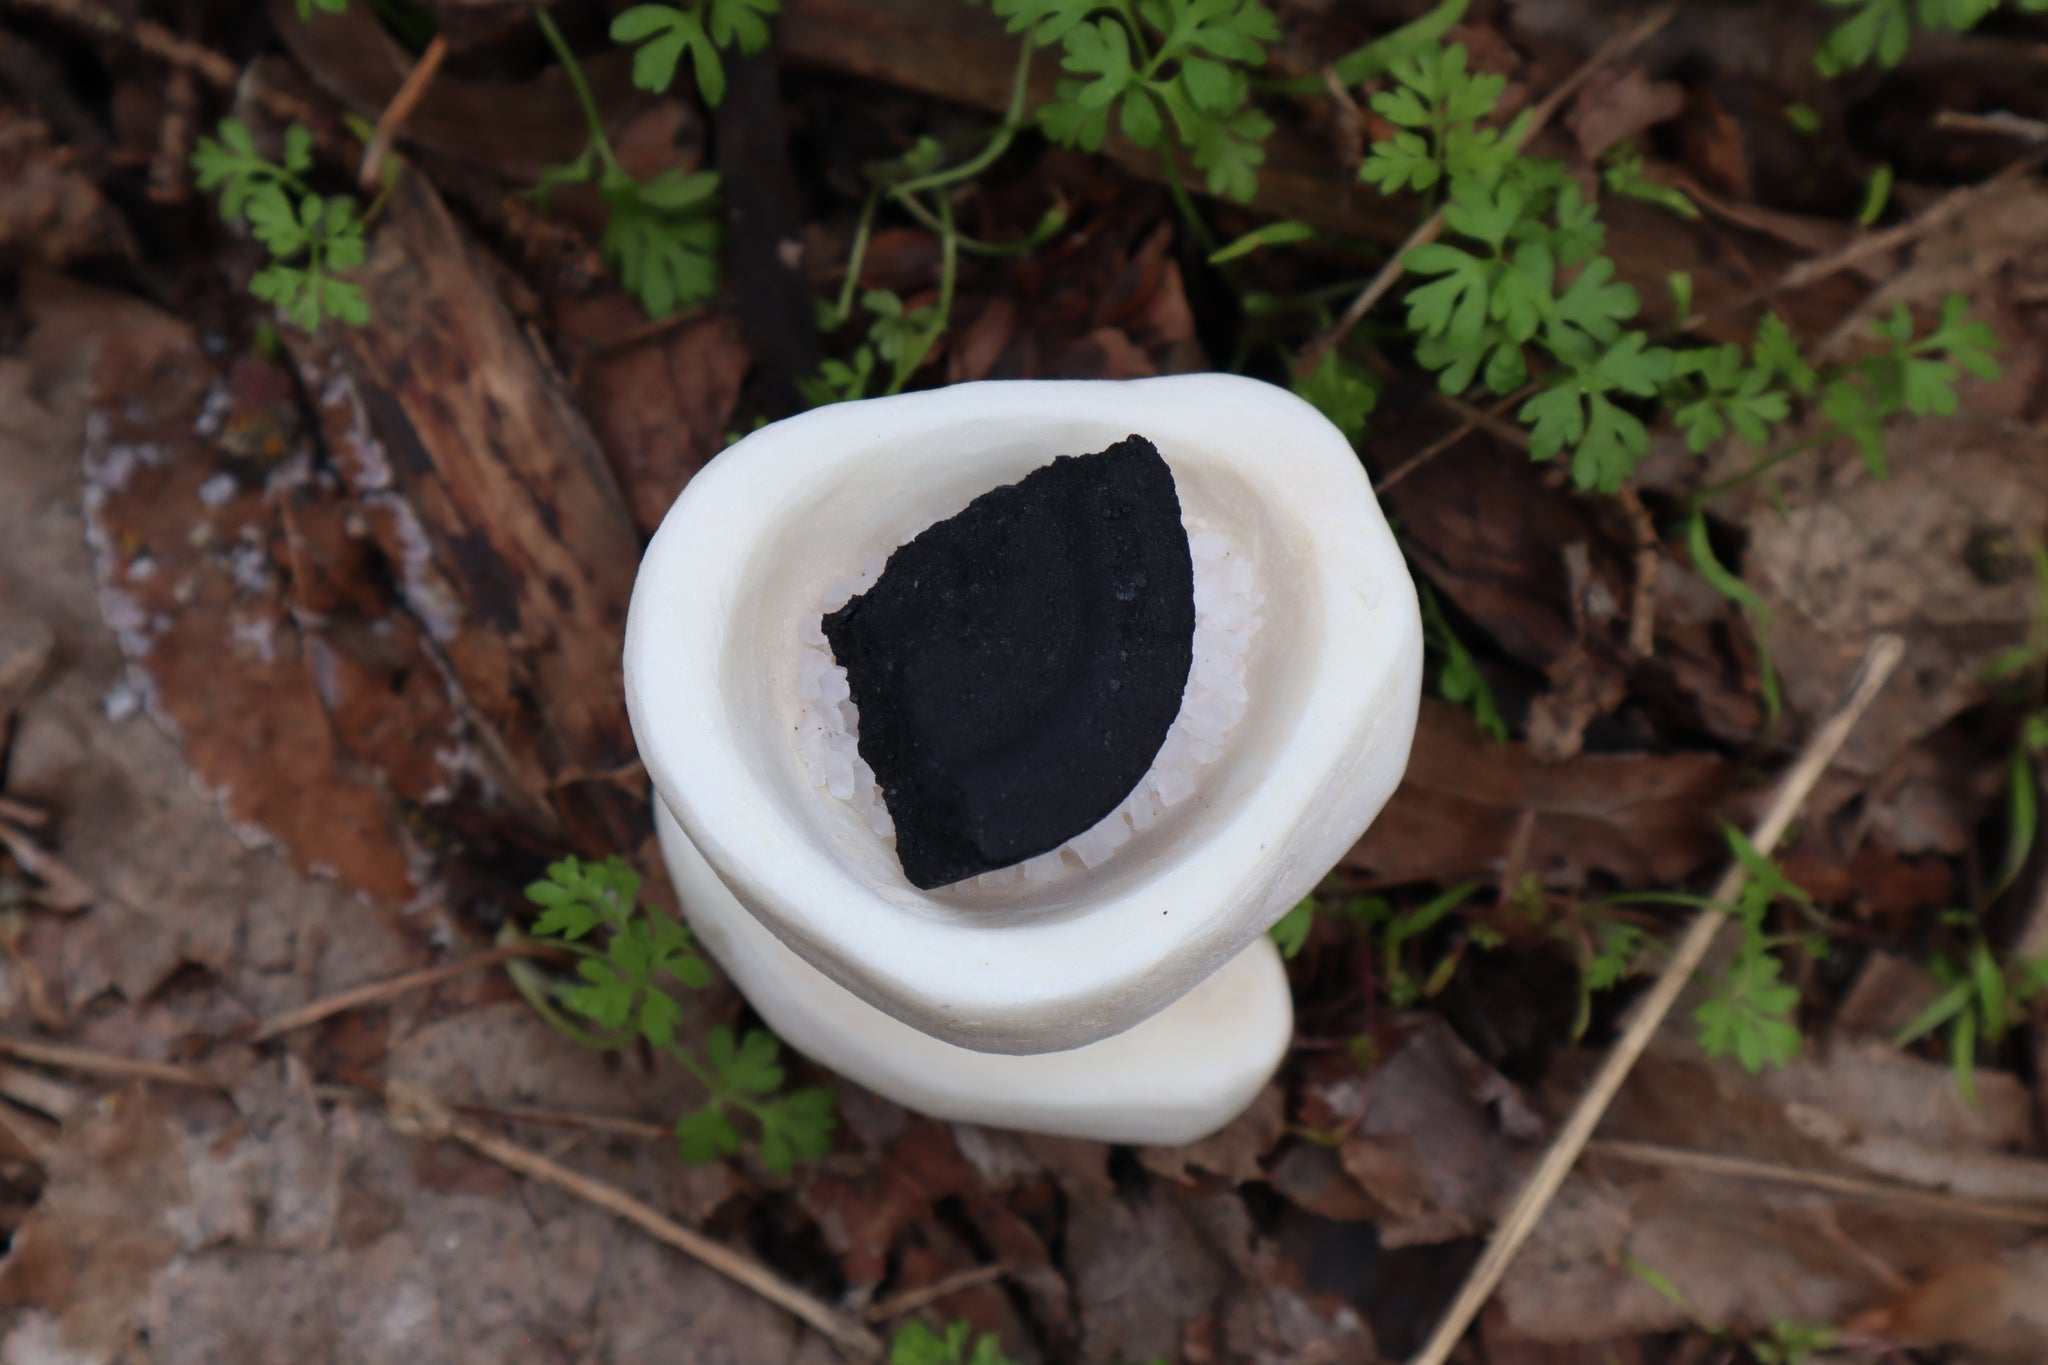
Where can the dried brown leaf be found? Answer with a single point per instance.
(191, 560)
(1745, 1253)
(50, 214)
(1850, 555)
(1615, 106)
(661, 408)
(1644, 819)
(1234, 1153)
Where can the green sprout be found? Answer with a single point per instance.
(1750, 1010)
(916, 1344)
(1458, 679)
(1342, 391)
(627, 957)
(664, 234)
(700, 29)
(1883, 29)
(1172, 73)
(309, 236)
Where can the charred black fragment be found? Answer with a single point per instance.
(1017, 666)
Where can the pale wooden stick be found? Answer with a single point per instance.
(1427, 231)
(63, 888)
(1854, 1187)
(34, 1090)
(363, 1093)
(1557, 1162)
(417, 1113)
(106, 1064)
(399, 110)
(1943, 210)
(910, 1300)
(1471, 419)
(22, 813)
(569, 1118)
(357, 997)
(1997, 124)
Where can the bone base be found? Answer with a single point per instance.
(1175, 1078)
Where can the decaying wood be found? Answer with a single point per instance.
(488, 492)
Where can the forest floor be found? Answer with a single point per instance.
(309, 643)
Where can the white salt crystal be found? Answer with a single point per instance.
(1043, 868)
(1173, 786)
(1142, 807)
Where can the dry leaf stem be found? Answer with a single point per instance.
(417, 1113)
(1691, 950)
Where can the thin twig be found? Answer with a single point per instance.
(1854, 1187)
(508, 1113)
(161, 43)
(1642, 603)
(170, 179)
(417, 1113)
(910, 1300)
(91, 1063)
(63, 889)
(399, 110)
(1473, 420)
(22, 813)
(1943, 210)
(358, 996)
(1692, 949)
(569, 1118)
(1998, 124)
(1611, 51)
(33, 1090)
(1490, 420)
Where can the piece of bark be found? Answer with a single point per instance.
(486, 488)
(191, 553)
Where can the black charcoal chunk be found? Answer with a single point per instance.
(1017, 666)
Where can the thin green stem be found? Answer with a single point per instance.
(383, 200)
(573, 69)
(975, 246)
(1765, 465)
(949, 271)
(699, 1070)
(998, 143)
(857, 257)
(532, 984)
(1186, 204)
(1139, 44)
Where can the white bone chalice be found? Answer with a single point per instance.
(1118, 986)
